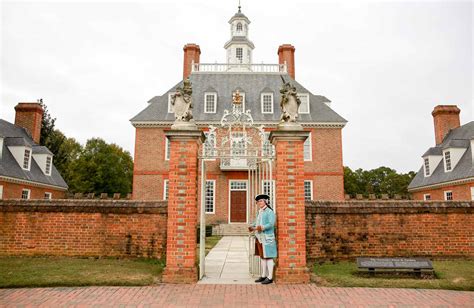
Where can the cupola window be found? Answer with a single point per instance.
(239, 54)
(239, 27)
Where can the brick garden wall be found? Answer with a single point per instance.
(83, 228)
(345, 230)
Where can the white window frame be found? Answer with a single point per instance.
(213, 197)
(167, 148)
(311, 190)
(310, 154)
(267, 146)
(262, 102)
(241, 59)
(170, 99)
(209, 144)
(237, 27)
(48, 168)
(28, 193)
(205, 102)
(273, 192)
(28, 162)
(427, 166)
(165, 189)
(48, 195)
(446, 195)
(426, 197)
(447, 160)
(307, 96)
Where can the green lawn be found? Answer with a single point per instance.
(451, 275)
(62, 271)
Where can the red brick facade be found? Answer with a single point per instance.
(346, 230)
(29, 115)
(462, 191)
(83, 228)
(151, 169)
(14, 191)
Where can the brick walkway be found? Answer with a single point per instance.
(232, 296)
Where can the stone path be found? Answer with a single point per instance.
(228, 263)
(207, 295)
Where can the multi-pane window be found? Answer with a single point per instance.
(308, 190)
(304, 107)
(307, 149)
(448, 195)
(48, 165)
(210, 196)
(165, 189)
(447, 160)
(210, 102)
(427, 197)
(25, 194)
(267, 102)
(238, 144)
(239, 54)
(427, 167)
(239, 27)
(26, 159)
(238, 185)
(209, 144)
(269, 189)
(167, 148)
(48, 195)
(268, 149)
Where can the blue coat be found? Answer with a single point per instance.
(268, 239)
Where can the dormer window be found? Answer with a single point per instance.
(427, 167)
(47, 169)
(210, 102)
(267, 102)
(447, 160)
(304, 107)
(27, 159)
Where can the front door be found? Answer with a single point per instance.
(238, 207)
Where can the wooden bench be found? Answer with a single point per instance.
(416, 266)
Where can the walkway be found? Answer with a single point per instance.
(227, 296)
(228, 262)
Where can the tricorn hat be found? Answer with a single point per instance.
(262, 196)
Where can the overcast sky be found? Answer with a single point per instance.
(384, 65)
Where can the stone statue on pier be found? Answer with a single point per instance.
(182, 107)
(289, 107)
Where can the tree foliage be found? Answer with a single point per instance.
(102, 167)
(382, 180)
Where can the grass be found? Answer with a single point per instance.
(450, 275)
(64, 271)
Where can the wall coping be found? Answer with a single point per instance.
(390, 206)
(85, 206)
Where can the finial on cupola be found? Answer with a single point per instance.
(239, 7)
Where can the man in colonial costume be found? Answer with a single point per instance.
(265, 245)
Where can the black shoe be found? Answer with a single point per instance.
(261, 279)
(267, 281)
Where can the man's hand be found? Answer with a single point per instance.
(251, 229)
(259, 228)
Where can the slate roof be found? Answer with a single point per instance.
(459, 137)
(252, 84)
(9, 167)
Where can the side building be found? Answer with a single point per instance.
(26, 168)
(214, 86)
(447, 172)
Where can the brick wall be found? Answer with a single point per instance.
(460, 192)
(345, 230)
(83, 228)
(13, 191)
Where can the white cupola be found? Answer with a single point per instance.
(239, 47)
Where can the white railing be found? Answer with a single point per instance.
(241, 68)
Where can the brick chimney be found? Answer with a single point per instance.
(29, 115)
(286, 54)
(446, 117)
(191, 54)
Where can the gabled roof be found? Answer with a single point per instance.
(459, 137)
(253, 84)
(9, 167)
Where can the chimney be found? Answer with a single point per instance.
(286, 54)
(29, 116)
(191, 54)
(446, 117)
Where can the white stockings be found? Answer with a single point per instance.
(267, 268)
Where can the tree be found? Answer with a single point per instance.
(102, 167)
